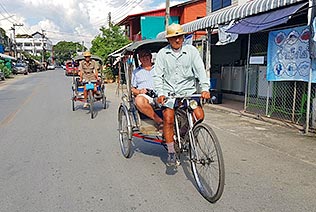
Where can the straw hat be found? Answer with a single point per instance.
(87, 54)
(175, 30)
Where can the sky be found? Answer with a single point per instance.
(70, 20)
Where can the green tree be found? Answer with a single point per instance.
(109, 40)
(65, 50)
(3, 38)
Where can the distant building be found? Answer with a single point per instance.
(33, 44)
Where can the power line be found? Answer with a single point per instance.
(5, 18)
(68, 33)
(133, 6)
(118, 11)
(14, 20)
(127, 5)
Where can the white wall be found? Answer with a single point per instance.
(241, 2)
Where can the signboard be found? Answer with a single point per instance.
(256, 60)
(288, 55)
(152, 25)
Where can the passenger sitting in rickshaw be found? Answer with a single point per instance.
(88, 72)
(143, 87)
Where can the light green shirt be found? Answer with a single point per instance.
(176, 73)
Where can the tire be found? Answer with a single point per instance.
(208, 170)
(73, 101)
(103, 99)
(91, 103)
(125, 131)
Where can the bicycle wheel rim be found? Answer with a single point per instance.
(73, 101)
(103, 100)
(208, 171)
(125, 142)
(91, 102)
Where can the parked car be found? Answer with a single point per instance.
(2, 75)
(20, 68)
(71, 68)
(50, 67)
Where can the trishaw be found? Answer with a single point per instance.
(78, 89)
(195, 142)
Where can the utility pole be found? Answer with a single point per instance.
(82, 46)
(109, 19)
(311, 16)
(208, 44)
(14, 40)
(43, 52)
(167, 14)
(10, 44)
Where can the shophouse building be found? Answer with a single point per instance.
(34, 44)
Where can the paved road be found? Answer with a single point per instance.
(54, 159)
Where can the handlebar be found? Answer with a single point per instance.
(183, 96)
(92, 81)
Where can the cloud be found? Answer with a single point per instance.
(71, 20)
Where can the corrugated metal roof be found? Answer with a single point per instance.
(248, 9)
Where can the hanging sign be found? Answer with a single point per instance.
(288, 55)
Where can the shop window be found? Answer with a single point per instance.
(219, 4)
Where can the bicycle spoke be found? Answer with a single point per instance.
(207, 163)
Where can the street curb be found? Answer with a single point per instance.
(256, 116)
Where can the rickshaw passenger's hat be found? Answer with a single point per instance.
(175, 30)
(87, 54)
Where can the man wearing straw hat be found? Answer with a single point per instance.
(88, 71)
(176, 69)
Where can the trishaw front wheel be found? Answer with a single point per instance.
(124, 128)
(91, 103)
(207, 162)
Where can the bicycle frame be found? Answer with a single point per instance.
(190, 118)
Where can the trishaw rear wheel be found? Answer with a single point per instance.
(207, 162)
(73, 101)
(103, 100)
(124, 132)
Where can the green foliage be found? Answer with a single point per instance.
(65, 50)
(30, 56)
(108, 41)
(108, 74)
(3, 37)
(7, 72)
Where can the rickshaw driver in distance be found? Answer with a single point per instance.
(176, 68)
(142, 85)
(88, 71)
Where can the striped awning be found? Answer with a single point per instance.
(248, 9)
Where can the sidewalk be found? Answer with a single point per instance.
(271, 134)
(237, 107)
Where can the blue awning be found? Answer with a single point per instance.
(264, 21)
